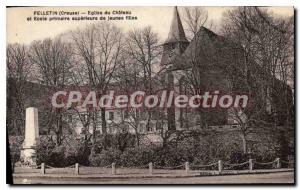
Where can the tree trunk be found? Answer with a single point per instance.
(94, 128)
(104, 131)
(137, 138)
(244, 142)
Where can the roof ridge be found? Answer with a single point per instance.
(176, 33)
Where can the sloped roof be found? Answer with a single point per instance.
(179, 61)
(176, 33)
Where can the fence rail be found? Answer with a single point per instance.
(276, 164)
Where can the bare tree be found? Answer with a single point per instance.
(98, 50)
(18, 73)
(194, 18)
(267, 44)
(144, 51)
(53, 59)
(136, 72)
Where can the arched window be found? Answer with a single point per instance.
(183, 111)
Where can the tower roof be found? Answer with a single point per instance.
(176, 33)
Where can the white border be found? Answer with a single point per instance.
(113, 3)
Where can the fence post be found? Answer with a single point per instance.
(76, 168)
(113, 168)
(150, 168)
(250, 164)
(187, 167)
(290, 163)
(220, 166)
(278, 165)
(43, 171)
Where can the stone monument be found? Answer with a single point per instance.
(28, 152)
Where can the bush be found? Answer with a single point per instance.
(50, 154)
(198, 149)
(106, 157)
(64, 155)
(45, 151)
(78, 152)
(15, 146)
(138, 156)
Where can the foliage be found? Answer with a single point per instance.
(67, 154)
(106, 157)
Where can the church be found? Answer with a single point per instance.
(211, 62)
(193, 67)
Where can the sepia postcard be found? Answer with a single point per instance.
(150, 95)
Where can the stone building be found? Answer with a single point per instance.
(211, 62)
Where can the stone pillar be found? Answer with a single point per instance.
(220, 166)
(76, 168)
(28, 152)
(43, 169)
(278, 165)
(187, 167)
(113, 168)
(150, 168)
(250, 164)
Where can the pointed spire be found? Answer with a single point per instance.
(176, 33)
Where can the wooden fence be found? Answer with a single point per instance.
(186, 167)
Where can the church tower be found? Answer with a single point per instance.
(176, 42)
(175, 45)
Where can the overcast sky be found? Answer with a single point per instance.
(22, 31)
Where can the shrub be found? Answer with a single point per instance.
(45, 150)
(15, 146)
(138, 156)
(105, 158)
(64, 155)
(50, 154)
(77, 152)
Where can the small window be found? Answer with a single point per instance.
(234, 126)
(111, 115)
(84, 116)
(142, 128)
(150, 127)
(126, 114)
(70, 118)
(173, 46)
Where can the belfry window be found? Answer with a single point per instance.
(111, 116)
